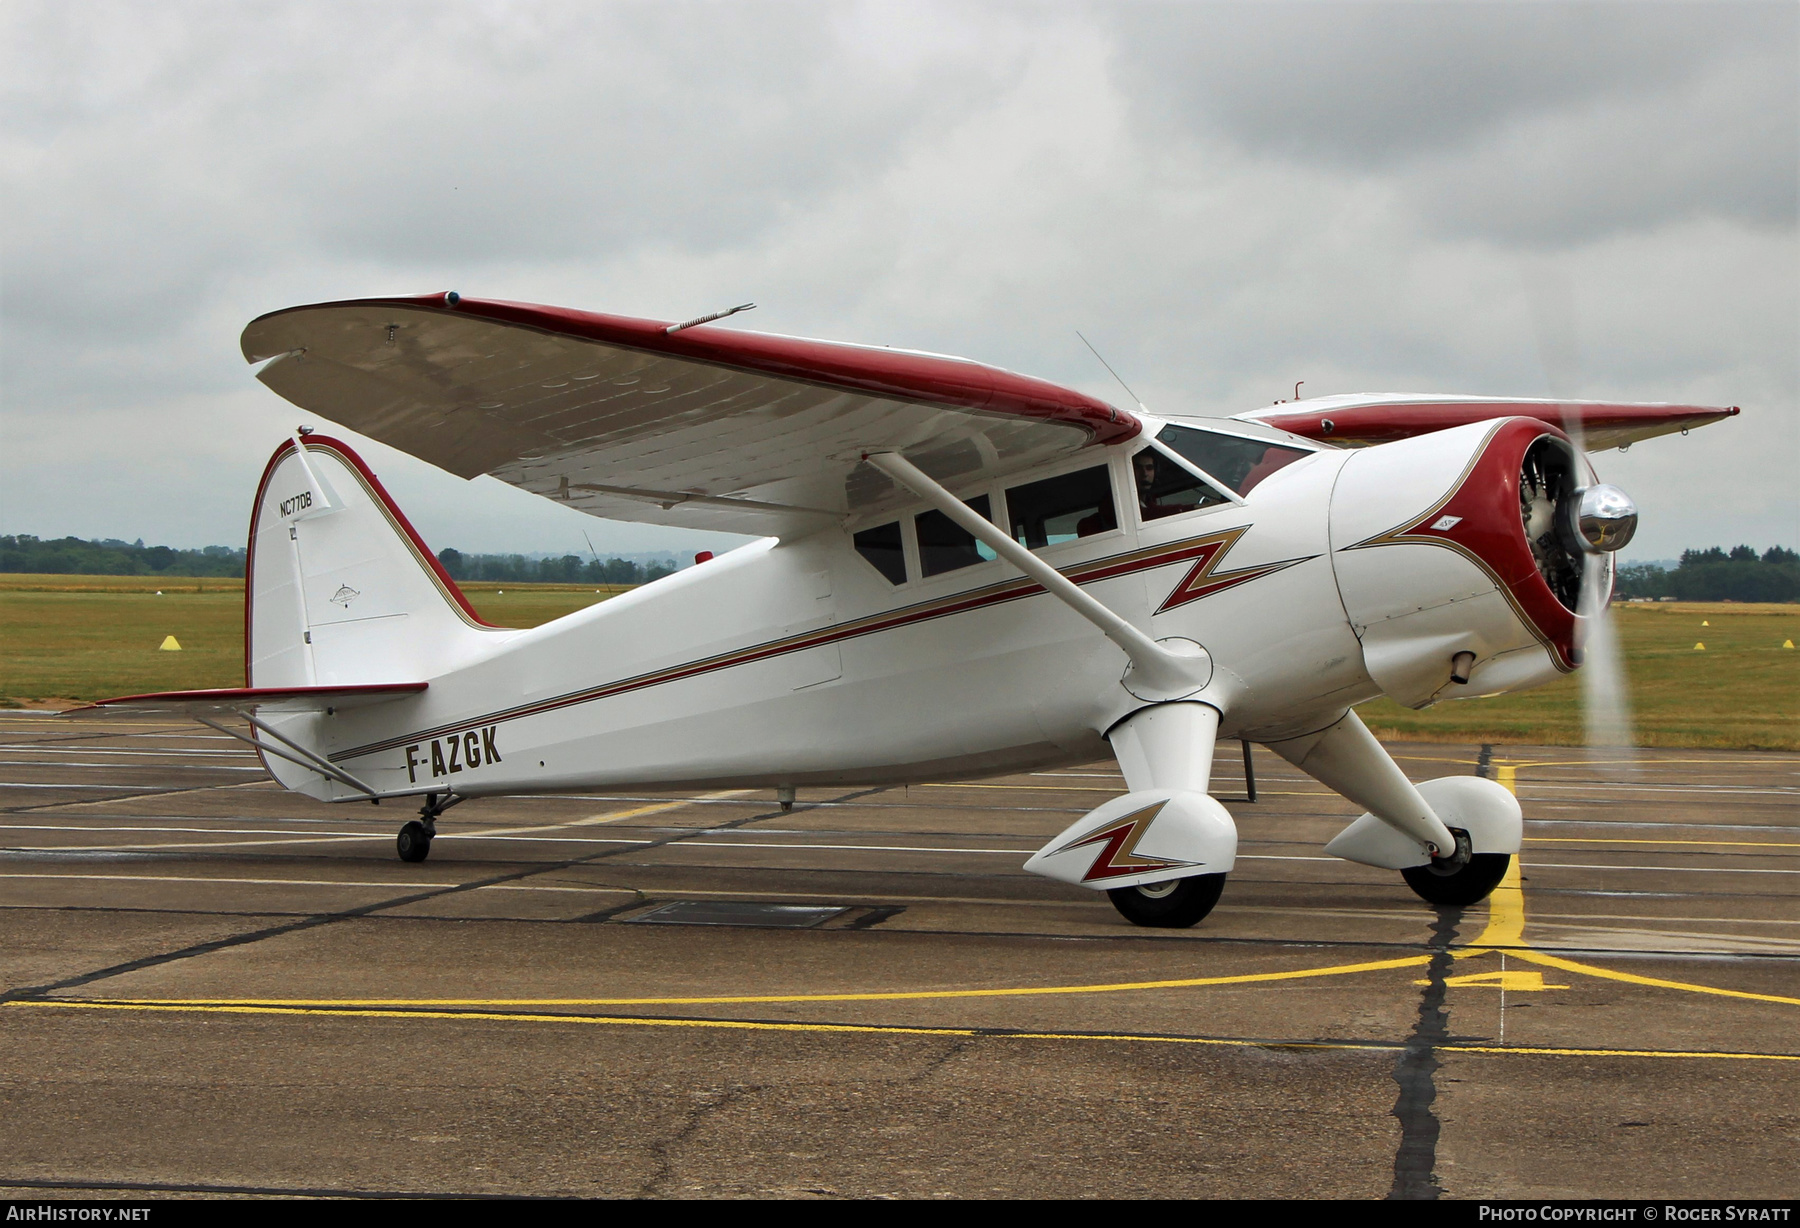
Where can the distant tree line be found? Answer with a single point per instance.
(1717, 575)
(71, 556)
(569, 569)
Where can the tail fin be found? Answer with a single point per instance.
(339, 589)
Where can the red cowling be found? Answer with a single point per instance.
(1480, 519)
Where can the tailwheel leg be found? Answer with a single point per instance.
(1173, 904)
(414, 841)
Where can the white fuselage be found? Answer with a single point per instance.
(790, 663)
(798, 662)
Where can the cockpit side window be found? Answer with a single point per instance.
(882, 547)
(1237, 462)
(1164, 488)
(1062, 508)
(945, 545)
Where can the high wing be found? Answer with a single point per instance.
(1385, 417)
(702, 427)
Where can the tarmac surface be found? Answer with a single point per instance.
(208, 985)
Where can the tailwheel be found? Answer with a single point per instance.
(1174, 904)
(1443, 882)
(414, 842)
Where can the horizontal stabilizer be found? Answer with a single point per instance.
(228, 700)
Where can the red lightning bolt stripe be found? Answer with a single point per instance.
(1203, 579)
(1119, 856)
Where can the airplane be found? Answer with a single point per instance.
(959, 571)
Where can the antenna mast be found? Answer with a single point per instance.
(1111, 372)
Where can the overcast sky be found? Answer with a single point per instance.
(1224, 198)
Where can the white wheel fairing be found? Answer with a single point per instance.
(1150, 836)
(1483, 808)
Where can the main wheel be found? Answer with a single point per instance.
(1174, 904)
(1469, 883)
(414, 842)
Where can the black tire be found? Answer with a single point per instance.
(1169, 905)
(1468, 884)
(414, 842)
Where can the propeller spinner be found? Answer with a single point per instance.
(1604, 518)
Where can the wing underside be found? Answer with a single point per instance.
(705, 427)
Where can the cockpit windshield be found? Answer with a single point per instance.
(1164, 488)
(1231, 459)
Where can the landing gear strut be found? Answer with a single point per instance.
(414, 841)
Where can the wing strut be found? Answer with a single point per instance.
(1156, 672)
(305, 758)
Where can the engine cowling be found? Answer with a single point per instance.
(1467, 541)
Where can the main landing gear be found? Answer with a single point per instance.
(1463, 878)
(1174, 904)
(414, 841)
(1439, 882)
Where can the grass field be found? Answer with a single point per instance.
(70, 638)
(1741, 692)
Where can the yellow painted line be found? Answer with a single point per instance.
(325, 838)
(614, 817)
(1654, 762)
(752, 1025)
(1505, 978)
(1506, 906)
(1548, 1052)
(1410, 961)
(1506, 915)
(1631, 978)
(1506, 928)
(366, 1013)
(1746, 844)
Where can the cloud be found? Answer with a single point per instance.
(1226, 199)
(1548, 122)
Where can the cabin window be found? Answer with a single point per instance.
(945, 545)
(1164, 488)
(881, 545)
(1237, 462)
(1063, 508)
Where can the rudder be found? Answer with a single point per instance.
(338, 588)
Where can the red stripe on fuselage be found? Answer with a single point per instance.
(1213, 544)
